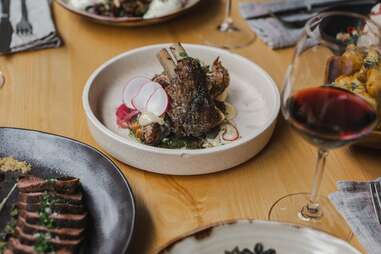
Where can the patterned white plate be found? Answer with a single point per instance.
(284, 238)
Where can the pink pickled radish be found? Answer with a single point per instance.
(132, 90)
(124, 115)
(158, 102)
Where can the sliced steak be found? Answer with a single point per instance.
(36, 197)
(60, 208)
(28, 239)
(16, 247)
(60, 220)
(66, 185)
(63, 233)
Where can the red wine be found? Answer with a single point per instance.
(331, 117)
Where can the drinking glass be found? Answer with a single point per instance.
(330, 98)
(229, 34)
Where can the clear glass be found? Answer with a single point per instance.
(229, 33)
(332, 68)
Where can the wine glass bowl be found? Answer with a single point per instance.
(331, 97)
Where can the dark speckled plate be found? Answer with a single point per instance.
(108, 196)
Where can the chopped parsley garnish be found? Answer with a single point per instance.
(47, 204)
(183, 54)
(43, 245)
(3, 245)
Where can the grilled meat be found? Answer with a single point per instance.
(51, 217)
(218, 79)
(192, 109)
(120, 8)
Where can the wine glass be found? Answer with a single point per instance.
(330, 98)
(229, 34)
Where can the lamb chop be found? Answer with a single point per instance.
(192, 109)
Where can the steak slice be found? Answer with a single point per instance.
(57, 243)
(36, 197)
(67, 185)
(62, 233)
(60, 220)
(16, 247)
(60, 208)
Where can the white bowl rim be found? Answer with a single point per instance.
(319, 233)
(181, 152)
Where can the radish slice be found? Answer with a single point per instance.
(132, 89)
(230, 132)
(158, 102)
(146, 92)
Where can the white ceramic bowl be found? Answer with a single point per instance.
(252, 92)
(284, 238)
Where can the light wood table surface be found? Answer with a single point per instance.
(43, 92)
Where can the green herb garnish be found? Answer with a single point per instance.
(43, 245)
(3, 246)
(183, 54)
(47, 204)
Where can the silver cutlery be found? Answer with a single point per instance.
(4, 201)
(375, 190)
(24, 27)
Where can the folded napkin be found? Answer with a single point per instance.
(354, 201)
(18, 15)
(270, 30)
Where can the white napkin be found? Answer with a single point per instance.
(270, 30)
(353, 201)
(44, 31)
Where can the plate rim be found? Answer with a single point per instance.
(178, 152)
(94, 149)
(126, 20)
(169, 244)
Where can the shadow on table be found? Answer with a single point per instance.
(143, 229)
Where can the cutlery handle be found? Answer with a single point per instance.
(24, 10)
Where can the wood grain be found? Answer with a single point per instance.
(43, 91)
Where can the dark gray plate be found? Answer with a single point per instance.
(108, 196)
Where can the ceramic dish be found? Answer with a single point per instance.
(108, 196)
(128, 21)
(252, 92)
(284, 238)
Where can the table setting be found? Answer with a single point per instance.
(184, 126)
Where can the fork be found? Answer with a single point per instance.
(375, 190)
(24, 27)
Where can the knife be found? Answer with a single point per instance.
(312, 8)
(6, 29)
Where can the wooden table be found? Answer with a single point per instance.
(43, 92)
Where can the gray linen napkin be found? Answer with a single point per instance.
(270, 30)
(40, 17)
(353, 201)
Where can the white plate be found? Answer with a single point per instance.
(284, 238)
(128, 21)
(252, 92)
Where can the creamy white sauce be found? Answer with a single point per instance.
(164, 7)
(148, 118)
(82, 4)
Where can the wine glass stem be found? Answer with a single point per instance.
(312, 210)
(227, 25)
(228, 17)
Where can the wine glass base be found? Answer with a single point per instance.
(289, 209)
(228, 38)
